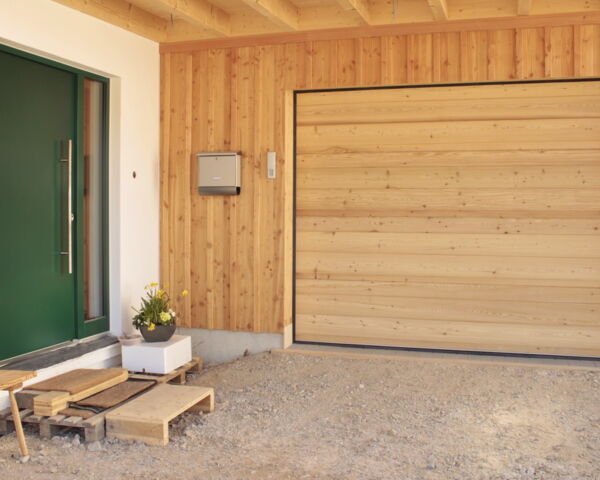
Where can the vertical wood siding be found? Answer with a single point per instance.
(229, 251)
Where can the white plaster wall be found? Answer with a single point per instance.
(132, 62)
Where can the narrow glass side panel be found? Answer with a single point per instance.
(93, 199)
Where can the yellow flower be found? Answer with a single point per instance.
(151, 327)
(160, 293)
(184, 293)
(165, 316)
(154, 284)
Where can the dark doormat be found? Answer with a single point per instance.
(117, 394)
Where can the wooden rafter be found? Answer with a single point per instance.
(439, 8)
(198, 12)
(524, 7)
(360, 6)
(498, 23)
(123, 14)
(281, 12)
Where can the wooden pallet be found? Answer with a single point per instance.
(147, 417)
(177, 376)
(93, 428)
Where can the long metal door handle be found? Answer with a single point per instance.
(70, 217)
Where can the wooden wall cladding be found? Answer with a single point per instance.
(423, 215)
(229, 251)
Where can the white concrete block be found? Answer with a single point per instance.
(157, 357)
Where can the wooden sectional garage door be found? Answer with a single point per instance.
(464, 217)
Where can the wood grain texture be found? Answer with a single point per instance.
(10, 378)
(147, 417)
(492, 22)
(231, 253)
(77, 381)
(482, 241)
(470, 336)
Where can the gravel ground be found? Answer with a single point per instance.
(303, 417)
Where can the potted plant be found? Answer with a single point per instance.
(155, 319)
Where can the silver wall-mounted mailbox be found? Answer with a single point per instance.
(219, 173)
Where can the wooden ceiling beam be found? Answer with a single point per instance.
(199, 13)
(281, 12)
(524, 7)
(122, 14)
(360, 6)
(439, 8)
(465, 25)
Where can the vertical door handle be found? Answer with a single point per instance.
(70, 217)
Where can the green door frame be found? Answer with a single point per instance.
(84, 328)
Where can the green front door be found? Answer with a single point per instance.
(38, 108)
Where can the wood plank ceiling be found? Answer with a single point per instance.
(184, 20)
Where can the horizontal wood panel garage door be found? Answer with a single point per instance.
(462, 217)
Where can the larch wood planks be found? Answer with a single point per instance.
(73, 386)
(80, 380)
(418, 227)
(234, 97)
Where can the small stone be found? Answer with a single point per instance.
(361, 386)
(76, 441)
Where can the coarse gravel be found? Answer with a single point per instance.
(290, 417)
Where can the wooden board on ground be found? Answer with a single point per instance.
(117, 394)
(147, 417)
(50, 403)
(80, 380)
